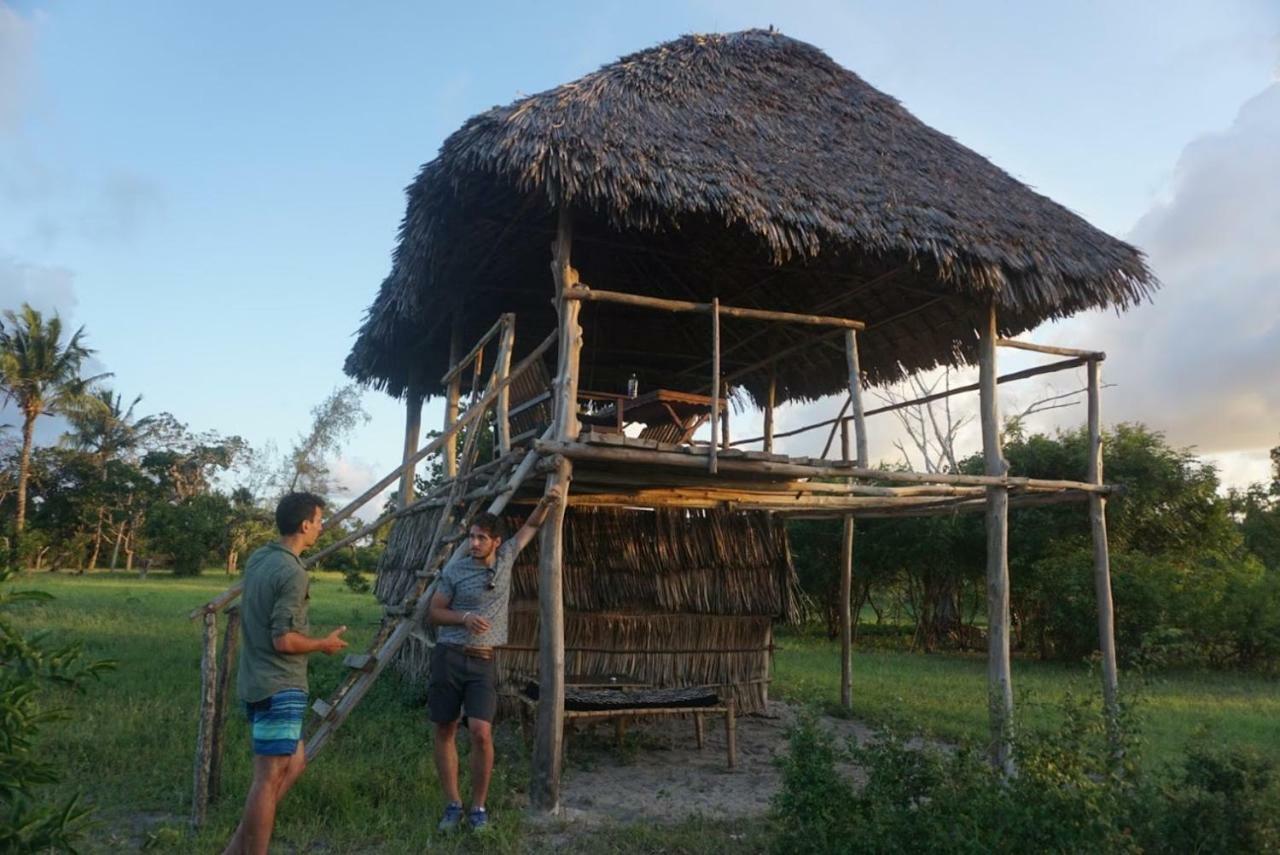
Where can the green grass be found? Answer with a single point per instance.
(129, 743)
(944, 695)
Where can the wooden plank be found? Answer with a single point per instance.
(204, 735)
(661, 304)
(458, 364)
(1091, 355)
(321, 707)
(226, 664)
(999, 673)
(358, 661)
(1102, 566)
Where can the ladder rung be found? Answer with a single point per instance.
(359, 661)
(397, 609)
(321, 708)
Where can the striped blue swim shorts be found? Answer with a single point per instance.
(276, 722)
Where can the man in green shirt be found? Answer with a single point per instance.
(272, 676)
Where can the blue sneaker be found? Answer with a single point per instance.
(452, 817)
(478, 819)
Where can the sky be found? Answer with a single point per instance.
(213, 190)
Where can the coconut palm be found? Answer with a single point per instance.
(40, 374)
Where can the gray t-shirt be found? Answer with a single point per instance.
(465, 582)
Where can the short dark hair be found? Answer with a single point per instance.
(295, 509)
(489, 523)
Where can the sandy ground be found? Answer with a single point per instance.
(659, 775)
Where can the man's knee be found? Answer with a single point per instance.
(270, 770)
(481, 731)
(445, 730)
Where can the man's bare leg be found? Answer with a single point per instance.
(253, 835)
(481, 760)
(446, 751)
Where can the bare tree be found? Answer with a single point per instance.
(931, 427)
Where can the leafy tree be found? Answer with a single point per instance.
(40, 373)
(192, 530)
(332, 421)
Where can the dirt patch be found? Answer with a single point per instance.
(659, 775)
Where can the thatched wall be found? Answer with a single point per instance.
(670, 597)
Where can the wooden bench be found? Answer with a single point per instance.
(623, 705)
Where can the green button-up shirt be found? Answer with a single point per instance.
(274, 601)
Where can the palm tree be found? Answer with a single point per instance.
(104, 427)
(40, 373)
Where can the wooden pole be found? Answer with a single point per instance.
(226, 663)
(1091, 355)
(999, 673)
(506, 343)
(208, 708)
(855, 394)
(846, 613)
(715, 386)
(770, 402)
(452, 393)
(412, 429)
(1102, 564)
(544, 792)
(661, 304)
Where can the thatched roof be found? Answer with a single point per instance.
(748, 166)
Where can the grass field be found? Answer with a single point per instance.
(129, 743)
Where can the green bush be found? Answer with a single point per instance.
(1072, 793)
(28, 665)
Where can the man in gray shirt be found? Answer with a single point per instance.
(470, 608)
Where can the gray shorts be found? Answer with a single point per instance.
(460, 682)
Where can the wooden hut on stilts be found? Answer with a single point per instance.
(719, 218)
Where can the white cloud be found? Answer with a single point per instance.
(17, 42)
(1200, 362)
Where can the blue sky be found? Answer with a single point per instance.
(213, 189)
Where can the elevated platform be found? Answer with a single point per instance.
(618, 470)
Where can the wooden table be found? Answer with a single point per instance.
(658, 407)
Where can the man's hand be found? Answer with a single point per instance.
(333, 642)
(475, 624)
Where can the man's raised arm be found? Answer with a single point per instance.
(553, 497)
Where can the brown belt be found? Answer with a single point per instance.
(478, 652)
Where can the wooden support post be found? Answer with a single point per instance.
(548, 756)
(452, 393)
(846, 593)
(855, 394)
(715, 385)
(1102, 564)
(226, 664)
(731, 733)
(412, 430)
(208, 708)
(724, 427)
(770, 402)
(999, 674)
(506, 343)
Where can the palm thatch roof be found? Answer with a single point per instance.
(750, 167)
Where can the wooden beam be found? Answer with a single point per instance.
(715, 386)
(452, 393)
(1091, 355)
(846, 613)
(810, 469)
(458, 364)
(1102, 565)
(771, 401)
(204, 734)
(226, 664)
(544, 790)
(855, 395)
(661, 304)
(999, 672)
(412, 431)
(506, 344)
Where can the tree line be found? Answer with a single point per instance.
(123, 490)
